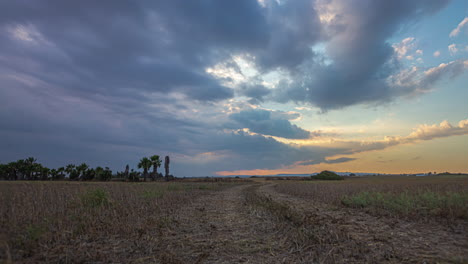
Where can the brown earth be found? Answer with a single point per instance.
(253, 223)
(223, 227)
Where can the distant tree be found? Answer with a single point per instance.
(82, 170)
(13, 171)
(30, 167)
(126, 173)
(145, 164)
(156, 163)
(54, 174)
(133, 175)
(167, 161)
(88, 174)
(98, 173)
(44, 173)
(4, 170)
(60, 173)
(72, 171)
(327, 175)
(107, 174)
(20, 169)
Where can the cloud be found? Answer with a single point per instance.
(360, 58)
(436, 53)
(420, 133)
(295, 27)
(138, 46)
(107, 82)
(402, 48)
(416, 80)
(444, 129)
(339, 160)
(267, 122)
(452, 48)
(459, 28)
(325, 161)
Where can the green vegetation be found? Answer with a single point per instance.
(145, 164)
(95, 198)
(30, 169)
(327, 176)
(406, 203)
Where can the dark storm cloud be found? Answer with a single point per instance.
(361, 57)
(295, 27)
(155, 46)
(273, 123)
(106, 82)
(256, 92)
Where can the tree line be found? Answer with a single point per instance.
(30, 169)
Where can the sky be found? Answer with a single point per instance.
(237, 87)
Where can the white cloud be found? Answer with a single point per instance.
(437, 54)
(415, 80)
(402, 48)
(444, 129)
(459, 28)
(26, 33)
(419, 52)
(452, 49)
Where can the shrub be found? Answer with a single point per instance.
(95, 198)
(327, 175)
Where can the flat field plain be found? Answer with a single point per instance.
(357, 220)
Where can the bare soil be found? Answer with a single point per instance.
(222, 228)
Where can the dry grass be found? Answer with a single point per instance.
(208, 221)
(73, 222)
(309, 237)
(415, 197)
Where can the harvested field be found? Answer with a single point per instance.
(229, 222)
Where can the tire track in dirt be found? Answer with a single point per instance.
(219, 228)
(389, 239)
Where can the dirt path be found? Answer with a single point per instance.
(218, 228)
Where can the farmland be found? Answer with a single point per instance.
(362, 219)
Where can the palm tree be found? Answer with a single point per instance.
(145, 164)
(70, 169)
(82, 169)
(60, 171)
(156, 163)
(44, 173)
(54, 174)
